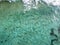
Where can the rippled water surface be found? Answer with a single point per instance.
(30, 28)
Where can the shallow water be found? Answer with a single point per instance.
(30, 28)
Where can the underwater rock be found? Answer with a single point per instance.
(9, 0)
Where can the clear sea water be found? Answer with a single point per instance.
(30, 28)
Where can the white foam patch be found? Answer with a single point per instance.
(54, 2)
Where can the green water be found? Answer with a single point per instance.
(30, 28)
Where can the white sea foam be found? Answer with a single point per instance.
(53, 2)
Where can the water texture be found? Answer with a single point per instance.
(30, 28)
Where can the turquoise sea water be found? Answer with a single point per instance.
(30, 28)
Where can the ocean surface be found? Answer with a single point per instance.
(32, 27)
